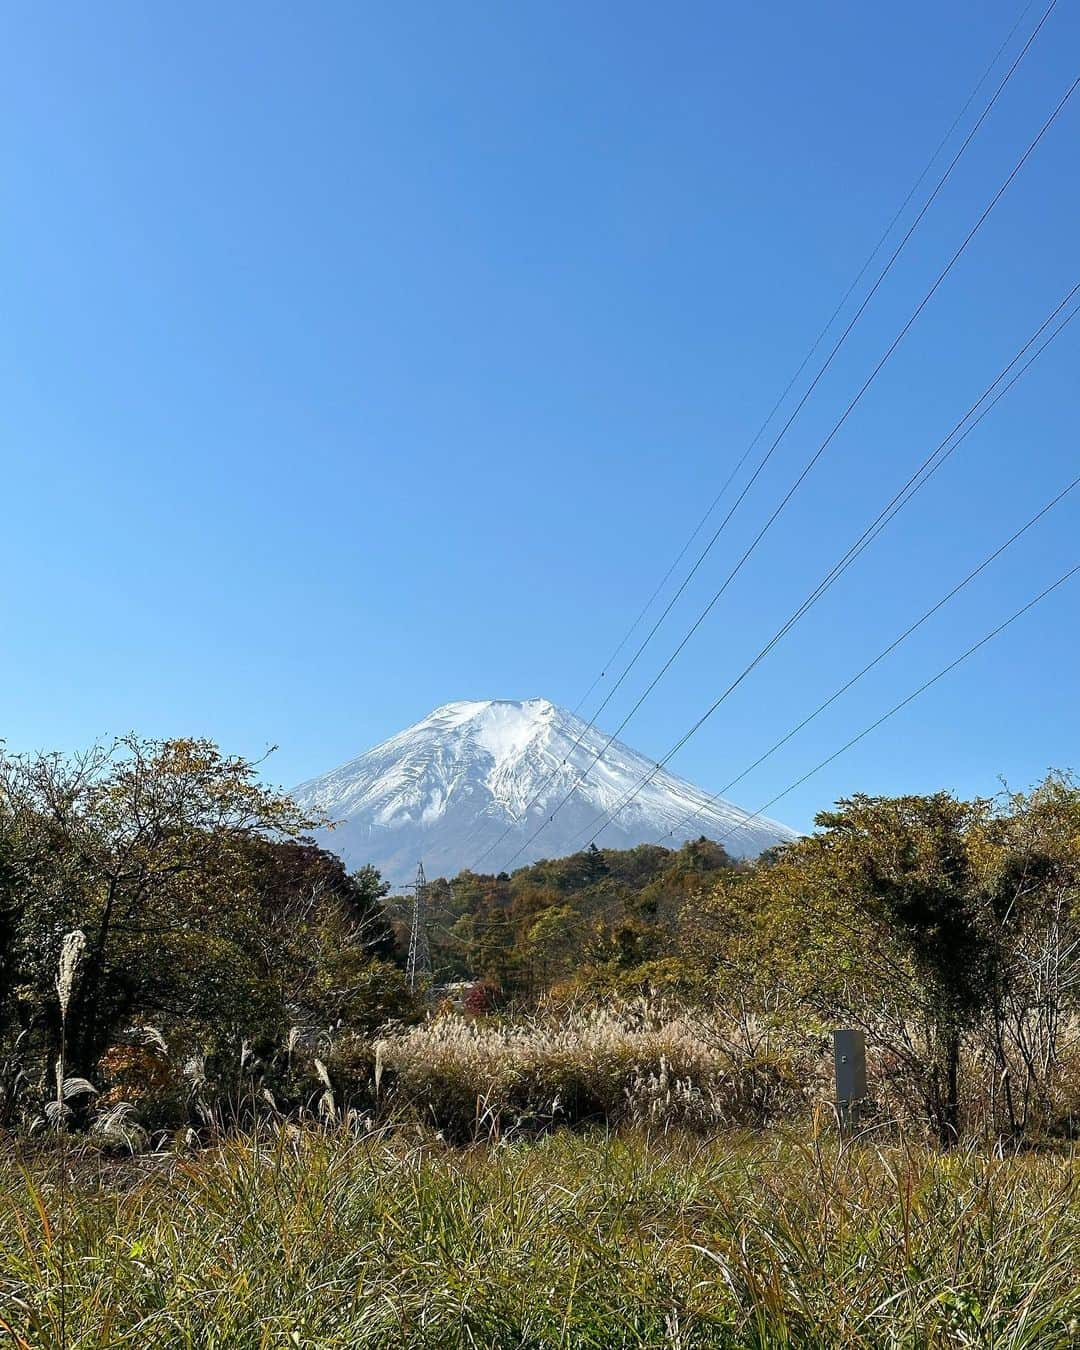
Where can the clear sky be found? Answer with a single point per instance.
(361, 357)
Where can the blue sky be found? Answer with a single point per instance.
(358, 358)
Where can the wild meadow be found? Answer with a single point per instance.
(606, 1178)
(606, 1120)
(336, 1238)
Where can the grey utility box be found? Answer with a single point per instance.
(849, 1053)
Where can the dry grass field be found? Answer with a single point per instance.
(302, 1237)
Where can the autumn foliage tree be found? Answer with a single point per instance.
(203, 908)
(948, 930)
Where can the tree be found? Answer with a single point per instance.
(553, 941)
(1029, 856)
(907, 863)
(292, 876)
(880, 918)
(145, 845)
(326, 942)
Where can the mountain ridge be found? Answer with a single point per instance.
(445, 788)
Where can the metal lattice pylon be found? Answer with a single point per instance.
(419, 963)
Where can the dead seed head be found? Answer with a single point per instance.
(71, 953)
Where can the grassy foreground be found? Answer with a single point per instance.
(311, 1239)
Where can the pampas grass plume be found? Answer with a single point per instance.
(71, 953)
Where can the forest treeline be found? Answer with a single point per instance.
(599, 920)
(224, 965)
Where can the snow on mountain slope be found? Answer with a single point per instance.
(445, 789)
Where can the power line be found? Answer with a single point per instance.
(810, 352)
(934, 679)
(910, 698)
(918, 480)
(813, 459)
(896, 642)
(798, 408)
(816, 456)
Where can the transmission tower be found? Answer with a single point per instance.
(419, 963)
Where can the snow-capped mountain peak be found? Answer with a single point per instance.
(446, 788)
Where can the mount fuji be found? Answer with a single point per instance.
(472, 782)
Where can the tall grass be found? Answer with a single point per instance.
(647, 1062)
(71, 953)
(331, 1239)
(489, 1078)
(642, 1063)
